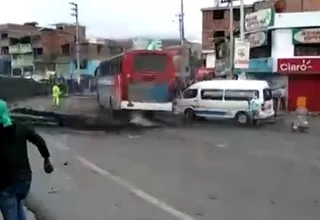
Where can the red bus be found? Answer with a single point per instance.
(136, 80)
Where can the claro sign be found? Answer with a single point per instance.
(299, 65)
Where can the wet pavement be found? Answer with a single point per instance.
(205, 171)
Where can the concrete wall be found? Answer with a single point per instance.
(14, 89)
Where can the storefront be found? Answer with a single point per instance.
(303, 80)
(259, 68)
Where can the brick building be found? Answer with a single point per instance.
(30, 48)
(215, 23)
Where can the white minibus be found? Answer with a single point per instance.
(225, 99)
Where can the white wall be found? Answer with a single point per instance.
(296, 19)
(282, 46)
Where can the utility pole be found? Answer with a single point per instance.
(75, 14)
(182, 41)
(231, 42)
(242, 15)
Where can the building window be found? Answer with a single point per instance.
(65, 49)
(236, 14)
(4, 36)
(307, 50)
(218, 14)
(38, 51)
(4, 50)
(217, 34)
(99, 48)
(16, 72)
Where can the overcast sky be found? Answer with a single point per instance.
(113, 18)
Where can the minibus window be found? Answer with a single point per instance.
(240, 95)
(267, 94)
(211, 94)
(190, 93)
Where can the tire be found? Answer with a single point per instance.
(101, 107)
(111, 109)
(189, 114)
(242, 118)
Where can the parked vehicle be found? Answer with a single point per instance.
(225, 99)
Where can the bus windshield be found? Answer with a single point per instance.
(149, 62)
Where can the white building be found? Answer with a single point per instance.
(296, 55)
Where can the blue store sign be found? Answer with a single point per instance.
(260, 65)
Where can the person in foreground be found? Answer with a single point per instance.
(15, 171)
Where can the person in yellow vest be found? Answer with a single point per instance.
(56, 95)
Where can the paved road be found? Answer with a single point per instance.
(207, 171)
(200, 173)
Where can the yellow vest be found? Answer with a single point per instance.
(55, 91)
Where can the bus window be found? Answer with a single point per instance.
(115, 65)
(104, 68)
(149, 62)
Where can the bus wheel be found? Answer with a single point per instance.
(242, 118)
(100, 105)
(111, 109)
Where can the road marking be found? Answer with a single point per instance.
(143, 195)
(221, 145)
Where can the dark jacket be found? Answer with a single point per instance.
(14, 161)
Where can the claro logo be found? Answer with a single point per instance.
(303, 67)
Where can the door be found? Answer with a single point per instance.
(211, 104)
(238, 100)
(307, 86)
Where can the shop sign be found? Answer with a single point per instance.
(261, 65)
(257, 39)
(299, 65)
(306, 36)
(241, 53)
(259, 20)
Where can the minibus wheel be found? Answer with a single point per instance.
(242, 118)
(189, 114)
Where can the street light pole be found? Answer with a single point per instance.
(75, 14)
(231, 42)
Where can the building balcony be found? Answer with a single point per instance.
(20, 49)
(21, 62)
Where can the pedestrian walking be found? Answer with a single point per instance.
(15, 168)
